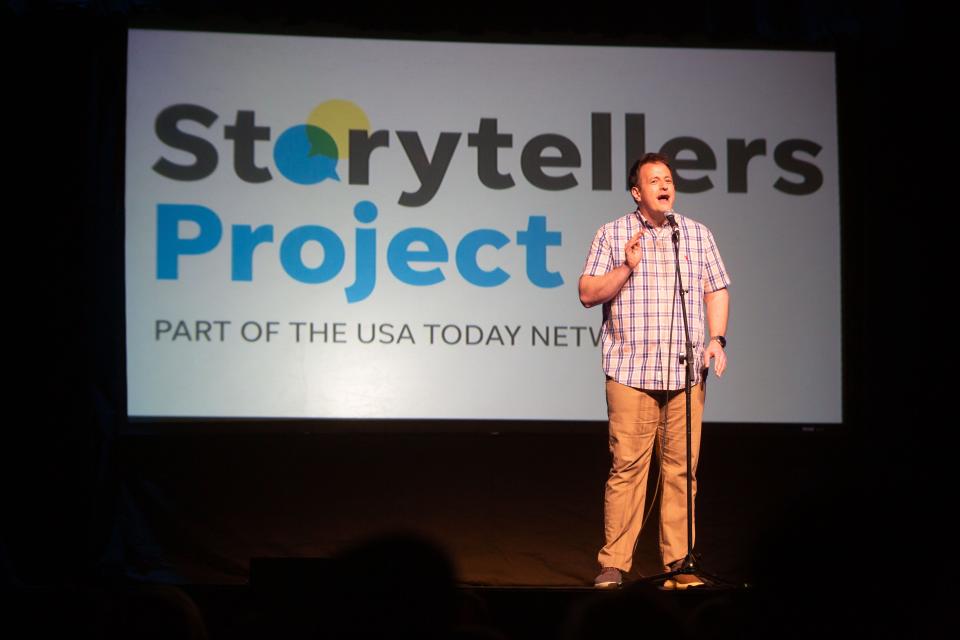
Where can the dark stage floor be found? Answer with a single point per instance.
(221, 612)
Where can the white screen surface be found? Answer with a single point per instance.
(242, 247)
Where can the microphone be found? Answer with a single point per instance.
(675, 235)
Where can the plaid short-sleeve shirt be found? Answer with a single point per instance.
(642, 333)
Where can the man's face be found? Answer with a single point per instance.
(654, 191)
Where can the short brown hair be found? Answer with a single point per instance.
(633, 177)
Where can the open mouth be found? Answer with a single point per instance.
(663, 198)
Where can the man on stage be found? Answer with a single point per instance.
(631, 270)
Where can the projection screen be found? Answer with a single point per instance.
(346, 228)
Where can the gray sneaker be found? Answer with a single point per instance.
(609, 578)
(682, 581)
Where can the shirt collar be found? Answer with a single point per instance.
(649, 225)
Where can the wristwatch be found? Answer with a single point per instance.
(721, 340)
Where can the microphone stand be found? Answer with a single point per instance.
(689, 564)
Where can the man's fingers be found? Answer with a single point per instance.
(633, 250)
(720, 364)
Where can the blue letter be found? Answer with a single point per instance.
(292, 246)
(467, 258)
(364, 211)
(537, 239)
(170, 244)
(245, 240)
(399, 256)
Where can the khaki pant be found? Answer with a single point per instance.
(636, 425)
